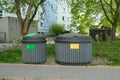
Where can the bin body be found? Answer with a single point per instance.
(33, 49)
(73, 49)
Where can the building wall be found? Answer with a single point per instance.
(64, 16)
(14, 29)
(4, 29)
(50, 15)
(2, 37)
(55, 11)
(10, 26)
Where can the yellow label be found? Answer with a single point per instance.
(74, 46)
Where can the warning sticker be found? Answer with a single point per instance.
(30, 46)
(74, 46)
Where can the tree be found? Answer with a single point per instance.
(84, 13)
(111, 9)
(30, 8)
(90, 9)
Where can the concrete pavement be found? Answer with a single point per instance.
(59, 71)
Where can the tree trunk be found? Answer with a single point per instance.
(25, 23)
(24, 29)
(113, 34)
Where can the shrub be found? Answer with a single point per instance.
(56, 29)
(66, 32)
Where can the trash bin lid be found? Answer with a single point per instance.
(73, 37)
(33, 39)
(31, 34)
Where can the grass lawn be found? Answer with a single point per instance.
(12, 55)
(104, 53)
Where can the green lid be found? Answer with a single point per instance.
(31, 34)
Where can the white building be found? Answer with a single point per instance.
(64, 16)
(56, 11)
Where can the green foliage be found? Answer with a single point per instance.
(10, 6)
(56, 29)
(3, 79)
(118, 27)
(110, 51)
(66, 31)
(110, 8)
(82, 28)
(84, 13)
(105, 22)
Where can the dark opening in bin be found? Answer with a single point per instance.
(33, 49)
(73, 49)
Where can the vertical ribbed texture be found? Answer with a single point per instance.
(64, 54)
(35, 56)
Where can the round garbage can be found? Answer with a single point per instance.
(33, 49)
(73, 49)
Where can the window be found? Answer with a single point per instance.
(63, 18)
(68, 26)
(63, 10)
(64, 1)
(41, 24)
(68, 9)
(0, 11)
(67, 18)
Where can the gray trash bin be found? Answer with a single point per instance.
(73, 49)
(33, 49)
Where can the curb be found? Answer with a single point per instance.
(63, 66)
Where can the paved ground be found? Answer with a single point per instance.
(61, 72)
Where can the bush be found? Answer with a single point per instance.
(66, 32)
(56, 29)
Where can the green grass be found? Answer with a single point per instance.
(107, 50)
(12, 55)
(3, 79)
(104, 53)
(50, 49)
